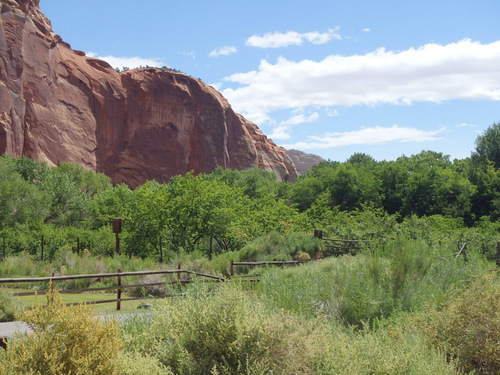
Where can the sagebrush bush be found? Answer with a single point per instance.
(64, 341)
(226, 332)
(229, 331)
(468, 326)
(384, 351)
(134, 363)
(7, 307)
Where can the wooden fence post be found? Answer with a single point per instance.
(161, 251)
(498, 254)
(210, 251)
(117, 228)
(178, 273)
(318, 234)
(41, 256)
(231, 270)
(119, 291)
(78, 245)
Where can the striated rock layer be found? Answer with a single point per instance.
(56, 104)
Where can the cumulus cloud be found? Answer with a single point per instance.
(464, 70)
(282, 131)
(290, 38)
(223, 51)
(301, 119)
(367, 136)
(129, 62)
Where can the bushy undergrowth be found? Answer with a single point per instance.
(281, 247)
(63, 341)
(223, 331)
(336, 315)
(402, 276)
(467, 326)
(7, 307)
(230, 331)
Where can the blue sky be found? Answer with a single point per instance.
(386, 77)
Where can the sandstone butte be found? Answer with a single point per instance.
(57, 104)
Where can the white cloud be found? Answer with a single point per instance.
(216, 86)
(367, 136)
(290, 38)
(282, 131)
(191, 54)
(223, 51)
(464, 70)
(301, 119)
(465, 125)
(129, 62)
(366, 30)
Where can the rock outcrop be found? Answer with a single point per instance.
(56, 104)
(304, 161)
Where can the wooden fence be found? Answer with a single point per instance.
(118, 287)
(345, 246)
(263, 263)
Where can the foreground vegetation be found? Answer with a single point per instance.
(352, 315)
(400, 306)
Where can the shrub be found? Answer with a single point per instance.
(282, 247)
(63, 341)
(226, 332)
(7, 307)
(468, 327)
(137, 364)
(399, 350)
(231, 332)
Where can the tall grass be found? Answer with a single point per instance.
(401, 276)
(66, 262)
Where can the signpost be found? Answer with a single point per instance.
(117, 228)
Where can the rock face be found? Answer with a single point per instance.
(303, 161)
(56, 104)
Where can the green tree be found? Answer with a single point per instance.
(110, 204)
(21, 202)
(147, 217)
(488, 146)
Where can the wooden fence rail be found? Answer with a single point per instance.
(119, 287)
(264, 263)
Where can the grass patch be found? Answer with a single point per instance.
(98, 308)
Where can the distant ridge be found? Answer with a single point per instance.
(303, 161)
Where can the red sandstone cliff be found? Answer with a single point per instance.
(57, 104)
